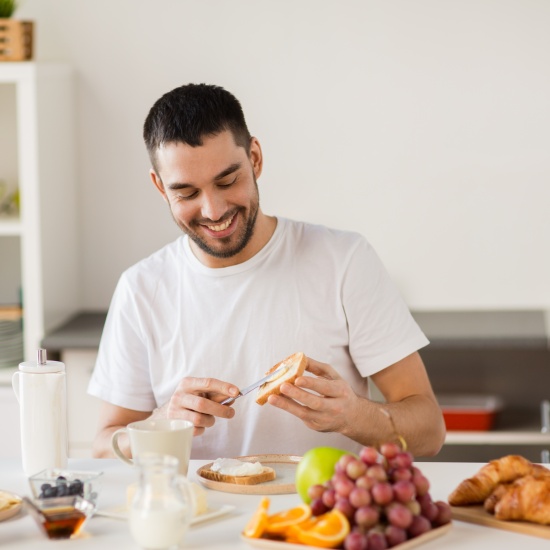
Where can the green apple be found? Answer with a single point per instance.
(316, 467)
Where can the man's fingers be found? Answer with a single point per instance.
(212, 387)
(322, 369)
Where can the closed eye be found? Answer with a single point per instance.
(229, 183)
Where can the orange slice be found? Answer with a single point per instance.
(256, 526)
(329, 531)
(279, 523)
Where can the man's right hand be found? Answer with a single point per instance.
(198, 400)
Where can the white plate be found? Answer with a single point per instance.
(121, 512)
(14, 509)
(284, 466)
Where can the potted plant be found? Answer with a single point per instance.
(15, 36)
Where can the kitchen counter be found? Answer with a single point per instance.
(464, 329)
(20, 532)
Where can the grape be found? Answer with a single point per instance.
(401, 474)
(399, 515)
(382, 493)
(395, 535)
(369, 455)
(384, 496)
(360, 497)
(414, 507)
(419, 526)
(389, 450)
(344, 487)
(428, 509)
(421, 483)
(367, 517)
(355, 541)
(378, 472)
(329, 498)
(342, 463)
(315, 491)
(444, 514)
(343, 504)
(366, 482)
(355, 468)
(318, 507)
(377, 541)
(339, 476)
(404, 491)
(402, 459)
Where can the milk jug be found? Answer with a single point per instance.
(164, 503)
(40, 388)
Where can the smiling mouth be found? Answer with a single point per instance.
(222, 226)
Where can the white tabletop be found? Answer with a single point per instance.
(223, 533)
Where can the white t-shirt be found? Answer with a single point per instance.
(311, 289)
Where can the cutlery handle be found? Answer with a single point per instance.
(230, 400)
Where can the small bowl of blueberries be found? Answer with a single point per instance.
(55, 483)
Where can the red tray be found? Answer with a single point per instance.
(469, 412)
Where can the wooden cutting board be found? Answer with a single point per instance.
(477, 514)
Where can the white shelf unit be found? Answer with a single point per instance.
(38, 249)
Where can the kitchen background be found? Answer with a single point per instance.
(424, 125)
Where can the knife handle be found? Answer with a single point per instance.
(230, 400)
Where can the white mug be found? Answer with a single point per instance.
(164, 436)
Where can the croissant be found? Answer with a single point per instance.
(526, 499)
(495, 496)
(476, 489)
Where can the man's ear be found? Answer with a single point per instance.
(256, 157)
(157, 182)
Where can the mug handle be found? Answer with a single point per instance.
(116, 448)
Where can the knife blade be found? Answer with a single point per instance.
(271, 376)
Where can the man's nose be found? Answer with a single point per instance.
(213, 206)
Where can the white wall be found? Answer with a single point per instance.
(423, 124)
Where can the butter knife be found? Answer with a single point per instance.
(271, 376)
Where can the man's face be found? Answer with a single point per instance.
(212, 194)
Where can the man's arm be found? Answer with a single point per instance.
(327, 403)
(195, 399)
(111, 418)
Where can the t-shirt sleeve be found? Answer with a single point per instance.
(121, 373)
(382, 330)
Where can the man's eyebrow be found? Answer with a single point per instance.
(227, 171)
(178, 186)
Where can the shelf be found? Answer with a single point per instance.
(497, 438)
(37, 133)
(10, 227)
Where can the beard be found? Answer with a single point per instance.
(228, 247)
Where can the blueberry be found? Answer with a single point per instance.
(61, 480)
(45, 486)
(77, 488)
(50, 492)
(62, 490)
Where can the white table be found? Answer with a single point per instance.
(224, 533)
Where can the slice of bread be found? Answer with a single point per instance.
(267, 474)
(296, 364)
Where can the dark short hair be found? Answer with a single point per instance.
(190, 113)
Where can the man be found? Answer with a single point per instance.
(211, 312)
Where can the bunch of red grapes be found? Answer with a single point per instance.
(385, 498)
